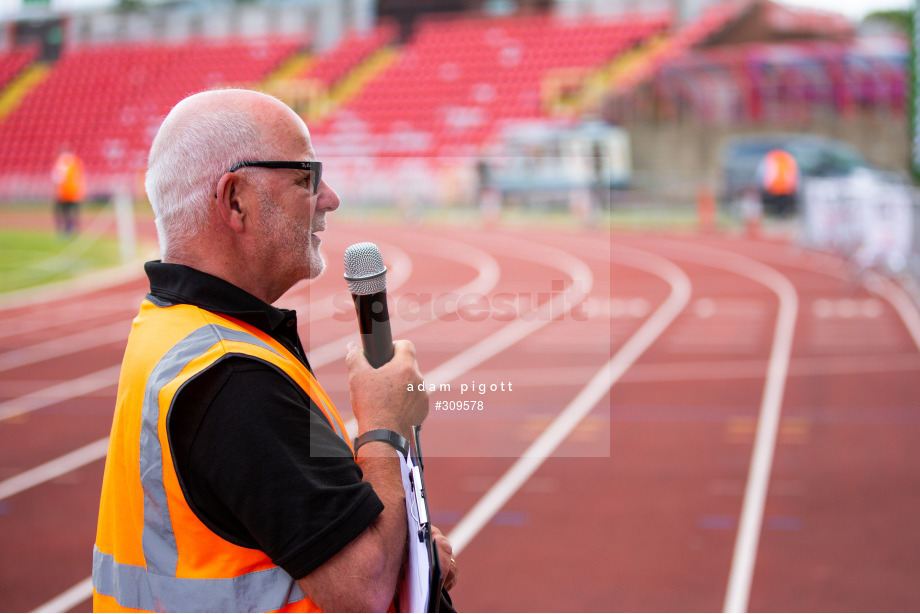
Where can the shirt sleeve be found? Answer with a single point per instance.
(261, 466)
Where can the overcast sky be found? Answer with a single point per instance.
(854, 9)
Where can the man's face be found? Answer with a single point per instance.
(291, 213)
(288, 229)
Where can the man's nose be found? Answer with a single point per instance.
(328, 199)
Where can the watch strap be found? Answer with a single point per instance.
(385, 435)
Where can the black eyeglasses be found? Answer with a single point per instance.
(315, 167)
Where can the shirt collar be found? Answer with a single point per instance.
(178, 283)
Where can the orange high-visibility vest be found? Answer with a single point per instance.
(781, 173)
(69, 180)
(152, 553)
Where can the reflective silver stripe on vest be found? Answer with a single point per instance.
(135, 587)
(159, 540)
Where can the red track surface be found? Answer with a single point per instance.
(639, 505)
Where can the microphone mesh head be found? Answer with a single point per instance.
(364, 270)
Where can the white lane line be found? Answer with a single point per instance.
(747, 539)
(65, 346)
(93, 338)
(643, 373)
(399, 269)
(518, 329)
(59, 392)
(696, 371)
(877, 284)
(73, 596)
(65, 312)
(54, 468)
(755, 493)
(599, 385)
(525, 324)
(489, 272)
(901, 302)
(485, 281)
(69, 288)
(487, 278)
(835, 267)
(111, 333)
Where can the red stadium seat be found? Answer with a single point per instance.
(102, 100)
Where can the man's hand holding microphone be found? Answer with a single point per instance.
(383, 379)
(380, 398)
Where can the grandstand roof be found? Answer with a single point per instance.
(768, 21)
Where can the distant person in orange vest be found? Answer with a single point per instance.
(778, 177)
(69, 190)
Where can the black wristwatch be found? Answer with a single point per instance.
(391, 437)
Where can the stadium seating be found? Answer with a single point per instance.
(106, 102)
(330, 67)
(450, 89)
(712, 19)
(12, 62)
(458, 80)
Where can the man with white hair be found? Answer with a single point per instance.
(230, 483)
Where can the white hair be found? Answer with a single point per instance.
(190, 152)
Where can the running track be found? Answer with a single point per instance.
(694, 423)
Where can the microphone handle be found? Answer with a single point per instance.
(374, 322)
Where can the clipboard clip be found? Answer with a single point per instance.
(429, 575)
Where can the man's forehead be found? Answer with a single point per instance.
(294, 137)
(302, 149)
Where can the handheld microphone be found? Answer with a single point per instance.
(367, 282)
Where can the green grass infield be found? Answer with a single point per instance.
(30, 258)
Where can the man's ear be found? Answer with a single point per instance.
(229, 202)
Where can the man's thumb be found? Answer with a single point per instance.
(354, 356)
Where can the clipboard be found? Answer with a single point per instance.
(420, 586)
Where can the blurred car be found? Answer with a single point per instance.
(817, 156)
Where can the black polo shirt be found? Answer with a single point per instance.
(258, 462)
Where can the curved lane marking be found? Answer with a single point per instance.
(73, 596)
(519, 328)
(54, 468)
(488, 276)
(399, 269)
(599, 385)
(755, 494)
(62, 391)
(891, 291)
